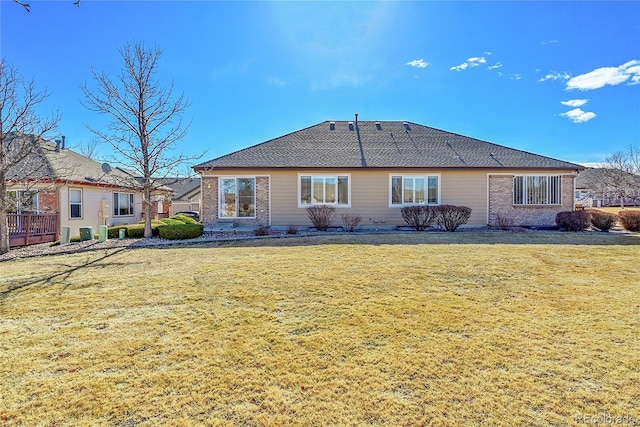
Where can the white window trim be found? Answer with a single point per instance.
(255, 196)
(132, 205)
(559, 176)
(324, 175)
(415, 175)
(81, 204)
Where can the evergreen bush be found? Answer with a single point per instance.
(182, 231)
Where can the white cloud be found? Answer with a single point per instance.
(516, 76)
(418, 63)
(474, 62)
(555, 75)
(635, 75)
(549, 42)
(471, 62)
(496, 66)
(459, 67)
(578, 116)
(603, 76)
(575, 102)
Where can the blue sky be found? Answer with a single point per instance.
(560, 79)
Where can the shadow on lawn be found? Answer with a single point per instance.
(427, 238)
(65, 273)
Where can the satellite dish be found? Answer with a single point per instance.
(106, 167)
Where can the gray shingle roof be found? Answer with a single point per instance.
(182, 186)
(595, 177)
(45, 163)
(385, 144)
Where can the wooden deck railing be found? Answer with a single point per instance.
(29, 228)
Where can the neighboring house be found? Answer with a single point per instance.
(373, 169)
(82, 191)
(186, 193)
(596, 187)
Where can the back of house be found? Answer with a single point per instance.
(373, 169)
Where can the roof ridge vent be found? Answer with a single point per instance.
(378, 125)
(351, 127)
(332, 125)
(407, 128)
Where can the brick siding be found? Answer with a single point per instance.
(501, 203)
(209, 211)
(48, 200)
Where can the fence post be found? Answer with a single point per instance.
(27, 229)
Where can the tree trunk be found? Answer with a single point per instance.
(4, 224)
(4, 232)
(148, 233)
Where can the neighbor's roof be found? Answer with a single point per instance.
(386, 144)
(182, 186)
(594, 177)
(65, 165)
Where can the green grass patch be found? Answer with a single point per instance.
(407, 329)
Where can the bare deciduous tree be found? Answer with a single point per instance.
(27, 6)
(146, 120)
(619, 175)
(21, 130)
(89, 149)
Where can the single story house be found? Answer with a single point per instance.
(373, 169)
(82, 191)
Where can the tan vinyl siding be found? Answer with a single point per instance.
(92, 215)
(369, 193)
(466, 188)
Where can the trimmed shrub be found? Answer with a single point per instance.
(261, 231)
(321, 216)
(350, 222)
(602, 220)
(630, 220)
(171, 221)
(451, 217)
(504, 221)
(292, 229)
(185, 219)
(573, 220)
(136, 231)
(419, 217)
(182, 231)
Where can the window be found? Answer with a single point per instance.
(22, 201)
(75, 203)
(237, 197)
(415, 190)
(122, 204)
(324, 190)
(536, 190)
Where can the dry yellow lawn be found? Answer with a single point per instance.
(395, 330)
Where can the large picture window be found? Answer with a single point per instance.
(237, 197)
(122, 204)
(324, 190)
(536, 190)
(415, 190)
(75, 203)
